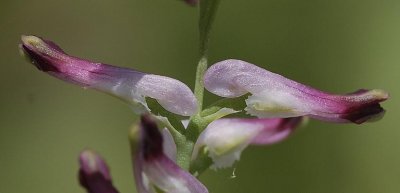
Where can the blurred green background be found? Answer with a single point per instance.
(337, 46)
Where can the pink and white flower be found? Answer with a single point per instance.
(273, 95)
(225, 139)
(127, 84)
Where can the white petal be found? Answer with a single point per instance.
(225, 139)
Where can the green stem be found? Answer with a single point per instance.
(199, 85)
(186, 138)
(208, 9)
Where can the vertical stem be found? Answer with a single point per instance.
(199, 85)
(208, 9)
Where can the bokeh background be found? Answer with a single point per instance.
(337, 46)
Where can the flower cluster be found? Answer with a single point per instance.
(279, 105)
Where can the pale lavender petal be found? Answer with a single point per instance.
(129, 85)
(94, 174)
(154, 170)
(225, 139)
(276, 96)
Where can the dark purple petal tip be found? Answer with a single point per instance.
(91, 163)
(50, 58)
(367, 113)
(152, 141)
(38, 54)
(368, 110)
(94, 174)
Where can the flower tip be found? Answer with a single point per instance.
(94, 174)
(92, 163)
(29, 40)
(41, 53)
(379, 94)
(33, 43)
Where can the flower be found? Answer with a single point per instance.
(225, 139)
(276, 96)
(127, 84)
(153, 170)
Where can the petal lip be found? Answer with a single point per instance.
(370, 110)
(276, 96)
(127, 84)
(94, 174)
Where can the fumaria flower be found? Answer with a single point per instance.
(225, 139)
(127, 84)
(276, 96)
(154, 171)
